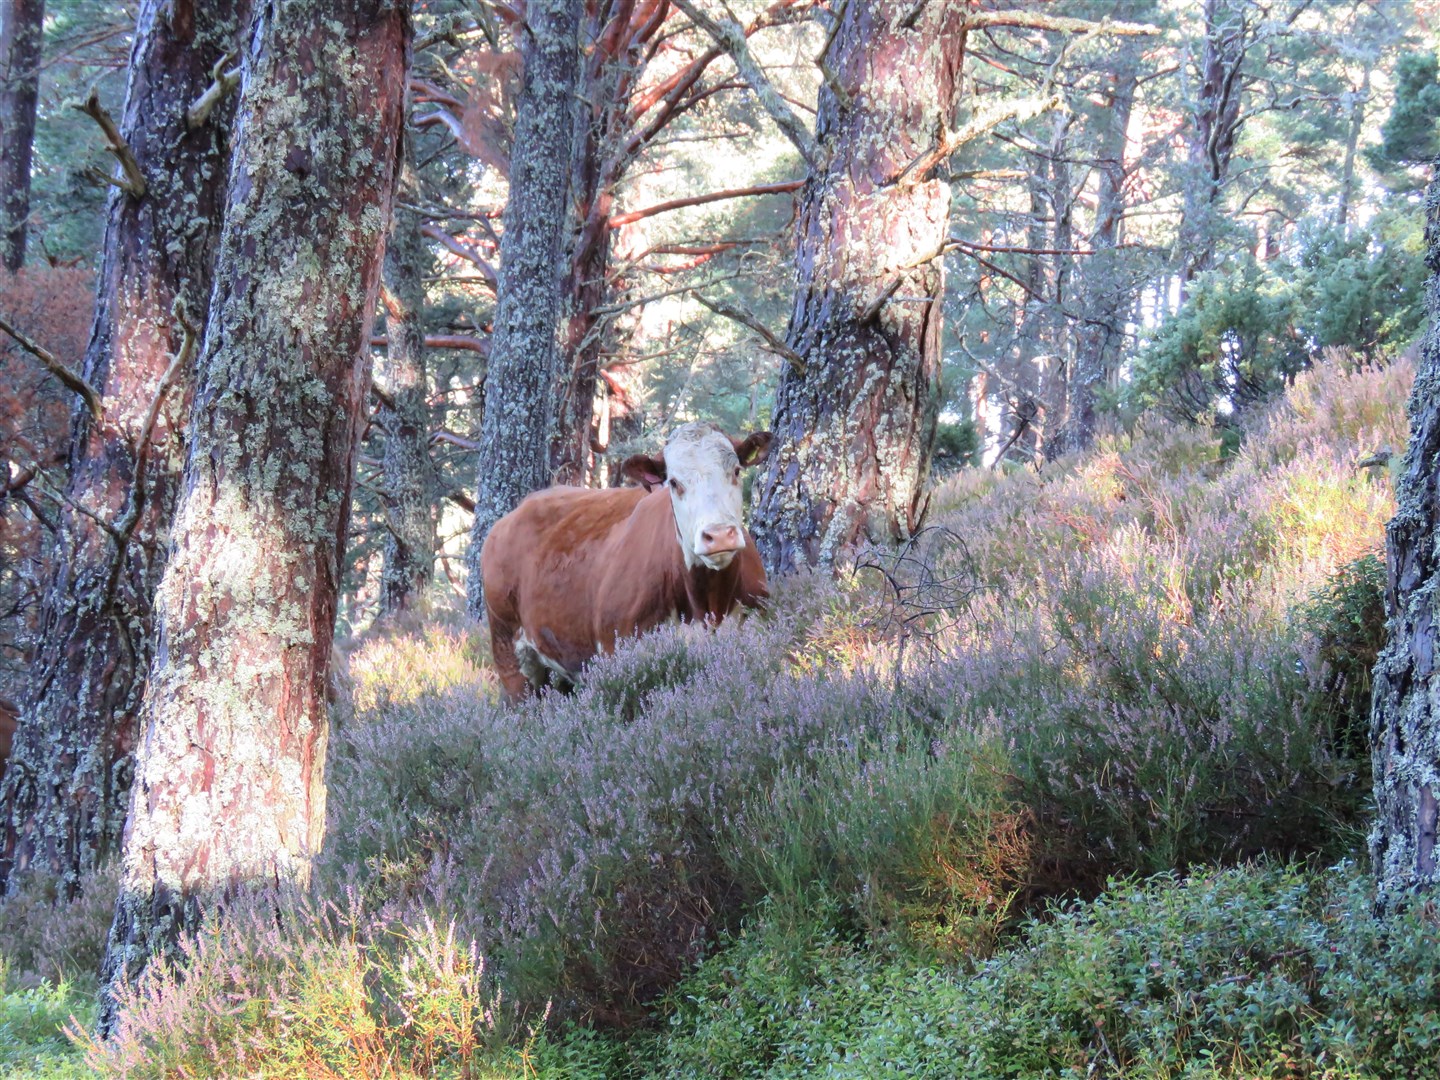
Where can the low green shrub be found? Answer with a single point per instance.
(1261, 971)
(33, 1045)
(1346, 618)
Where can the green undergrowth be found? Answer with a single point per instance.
(33, 1017)
(1261, 971)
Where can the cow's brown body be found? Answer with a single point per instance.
(572, 570)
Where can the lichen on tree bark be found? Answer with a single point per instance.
(229, 787)
(520, 380)
(407, 471)
(855, 415)
(21, 33)
(63, 800)
(1405, 724)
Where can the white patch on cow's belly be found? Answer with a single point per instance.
(538, 668)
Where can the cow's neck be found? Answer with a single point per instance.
(709, 593)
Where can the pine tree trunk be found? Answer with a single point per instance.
(229, 787)
(22, 24)
(1105, 298)
(855, 411)
(407, 471)
(520, 381)
(62, 804)
(1405, 724)
(586, 283)
(1210, 142)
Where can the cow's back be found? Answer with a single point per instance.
(540, 567)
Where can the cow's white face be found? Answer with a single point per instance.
(701, 466)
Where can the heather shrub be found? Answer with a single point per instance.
(906, 830)
(602, 890)
(278, 986)
(46, 936)
(1259, 971)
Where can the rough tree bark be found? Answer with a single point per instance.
(1105, 297)
(520, 380)
(1405, 723)
(856, 409)
(407, 472)
(63, 801)
(22, 24)
(229, 787)
(595, 172)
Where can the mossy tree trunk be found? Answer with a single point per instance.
(63, 800)
(520, 380)
(1405, 724)
(22, 24)
(229, 788)
(407, 472)
(856, 407)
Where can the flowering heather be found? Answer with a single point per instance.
(1120, 665)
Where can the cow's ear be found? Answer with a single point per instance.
(649, 472)
(752, 449)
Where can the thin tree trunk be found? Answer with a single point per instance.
(1212, 135)
(855, 411)
(1106, 298)
(1356, 100)
(586, 285)
(515, 434)
(63, 801)
(407, 471)
(230, 786)
(22, 24)
(1405, 724)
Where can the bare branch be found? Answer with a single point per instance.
(1036, 20)
(467, 342)
(115, 143)
(773, 343)
(985, 121)
(465, 251)
(730, 36)
(699, 200)
(222, 83)
(453, 439)
(53, 365)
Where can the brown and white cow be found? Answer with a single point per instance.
(570, 571)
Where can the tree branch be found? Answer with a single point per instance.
(988, 120)
(134, 181)
(1035, 20)
(444, 341)
(773, 343)
(464, 250)
(53, 365)
(730, 36)
(699, 200)
(223, 82)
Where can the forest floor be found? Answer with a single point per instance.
(1075, 785)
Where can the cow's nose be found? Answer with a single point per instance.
(718, 538)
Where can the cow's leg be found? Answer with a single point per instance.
(507, 665)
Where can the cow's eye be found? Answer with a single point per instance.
(735, 476)
(678, 488)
